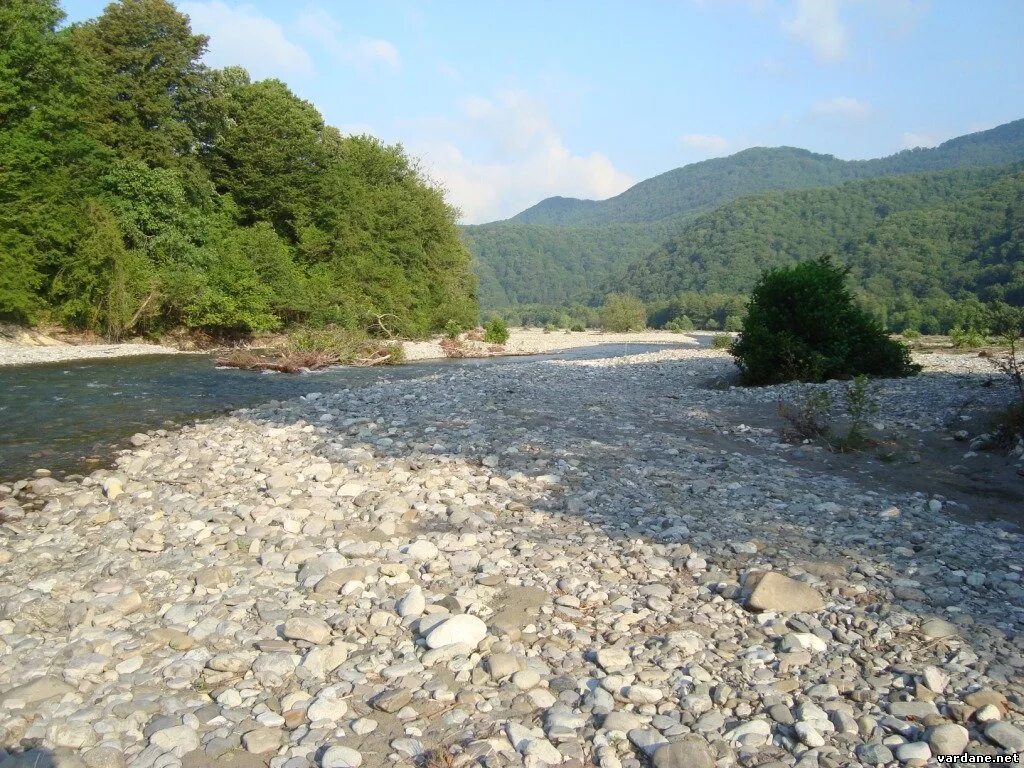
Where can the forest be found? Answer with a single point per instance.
(925, 251)
(565, 251)
(141, 191)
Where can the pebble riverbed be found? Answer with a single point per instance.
(555, 563)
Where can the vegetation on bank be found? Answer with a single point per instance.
(141, 190)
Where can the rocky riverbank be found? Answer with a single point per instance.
(601, 563)
(535, 341)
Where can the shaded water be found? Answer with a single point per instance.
(72, 416)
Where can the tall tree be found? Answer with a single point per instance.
(146, 80)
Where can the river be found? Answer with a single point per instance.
(72, 417)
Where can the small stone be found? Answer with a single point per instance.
(316, 631)
(262, 740)
(178, 739)
(1005, 735)
(948, 739)
(917, 752)
(687, 752)
(643, 694)
(988, 714)
(613, 659)
(391, 701)
(36, 691)
(412, 603)
(326, 707)
(936, 629)
(647, 740)
(341, 757)
(461, 628)
(874, 754)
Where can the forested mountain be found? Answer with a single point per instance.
(557, 251)
(700, 186)
(524, 263)
(142, 190)
(923, 249)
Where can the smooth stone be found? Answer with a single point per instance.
(690, 751)
(461, 628)
(775, 592)
(341, 757)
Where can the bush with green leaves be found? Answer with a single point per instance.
(452, 329)
(577, 328)
(803, 324)
(721, 341)
(622, 312)
(966, 338)
(496, 332)
(679, 324)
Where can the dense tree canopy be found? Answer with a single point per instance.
(924, 250)
(567, 251)
(140, 189)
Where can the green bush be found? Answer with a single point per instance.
(803, 324)
(966, 338)
(622, 312)
(721, 341)
(577, 328)
(452, 329)
(496, 332)
(679, 324)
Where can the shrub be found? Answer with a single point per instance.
(496, 332)
(679, 324)
(809, 417)
(452, 329)
(803, 324)
(550, 327)
(733, 323)
(966, 338)
(911, 334)
(577, 328)
(622, 312)
(860, 405)
(721, 341)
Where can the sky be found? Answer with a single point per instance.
(506, 103)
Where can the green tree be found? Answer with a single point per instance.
(144, 74)
(622, 312)
(803, 324)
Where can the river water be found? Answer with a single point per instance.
(72, 416)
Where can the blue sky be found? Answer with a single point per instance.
(507, 103)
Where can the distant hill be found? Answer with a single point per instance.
(911, 241)
(561, 249)
(703, 185)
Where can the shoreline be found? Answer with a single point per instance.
(26, 354)
(42, 350)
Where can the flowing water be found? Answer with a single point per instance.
(72, 416)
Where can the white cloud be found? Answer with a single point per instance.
(519, 158)
(366, 52)
(843, 108)
(705, 144)
(240, 35)
(816, 23)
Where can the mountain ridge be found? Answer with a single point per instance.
(987, 147)
(563, 250)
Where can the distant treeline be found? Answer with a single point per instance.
(141, 190)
